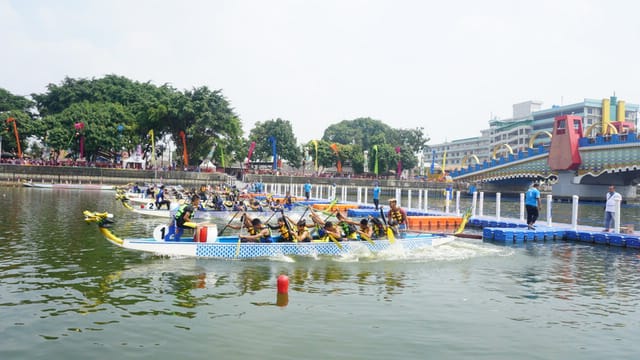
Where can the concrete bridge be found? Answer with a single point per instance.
(572, 163)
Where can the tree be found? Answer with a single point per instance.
(205, 116)
(286, 143)
(365, 133)
(99, 132)
(11, 102)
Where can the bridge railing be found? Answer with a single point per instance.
(541, 149)
(609, 139)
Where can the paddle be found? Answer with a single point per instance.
(390, 235)
(463, 223)
(335, 241)
(224, 228)
(239, 238)
(366, 237)
(303, 214)
(286, 223)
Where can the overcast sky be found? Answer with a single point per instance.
(446, 66)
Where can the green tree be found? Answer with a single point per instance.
(286, 143)
(365, 133)
(204, 116)
(100, 129)
(11, 102)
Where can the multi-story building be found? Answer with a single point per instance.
(529, 126)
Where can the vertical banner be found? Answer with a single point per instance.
(153, 148)
(185, 156)
(251, 148)
(433, 162)
(272, 140)
(334, 147)
(79, 126)
(444, 163)
(315, 145)
(222, 156)
(399, 167)
(375, 164)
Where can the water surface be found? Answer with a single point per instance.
(66, 293)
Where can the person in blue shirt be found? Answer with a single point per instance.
(376, 194)
(532, 204)
(307, 190)
(160, 199)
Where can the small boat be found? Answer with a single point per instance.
(68, 186)
(210, 245)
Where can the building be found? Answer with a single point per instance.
(529, 126)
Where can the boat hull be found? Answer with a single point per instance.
(93, 187)
(227, 247)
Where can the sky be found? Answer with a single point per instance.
(445, 66)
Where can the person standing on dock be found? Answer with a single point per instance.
(376, 194)
(610, 207)
(307, 189)
(533, 205)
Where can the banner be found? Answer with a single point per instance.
(153, 147)
(272, 140)
(251, 148)
(444, 163)
(334, 147)
(399, 167)
(375, 164)
(315, 144)
(433, 162)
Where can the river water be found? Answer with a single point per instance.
(66, 293)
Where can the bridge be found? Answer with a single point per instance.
(573, 163)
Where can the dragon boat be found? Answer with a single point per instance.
(210, 245)
(54, 186)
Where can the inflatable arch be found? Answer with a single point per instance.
(612, 129)
(535, 136)
(497, 147)
(466, 158)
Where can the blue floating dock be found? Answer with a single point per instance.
(512, 232)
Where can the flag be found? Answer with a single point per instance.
(399, 167)
(153, 147)
(315, 144)
(444, 162)
(334, 147)
(433, 161)
(375, 164)
(251, 148)
(273, 150)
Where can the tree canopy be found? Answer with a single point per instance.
(117, 112)
(113, 113)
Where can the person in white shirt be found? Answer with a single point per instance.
(610, 207)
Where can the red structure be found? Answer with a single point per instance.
(564, 153)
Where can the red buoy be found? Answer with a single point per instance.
(283, 284)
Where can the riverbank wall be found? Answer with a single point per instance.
(15, 174)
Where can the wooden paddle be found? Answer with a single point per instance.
(364, 236)
(225, 227)
(390, 235)
(239, 239)
(286, 223)
(335, 241)
(463, 223)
